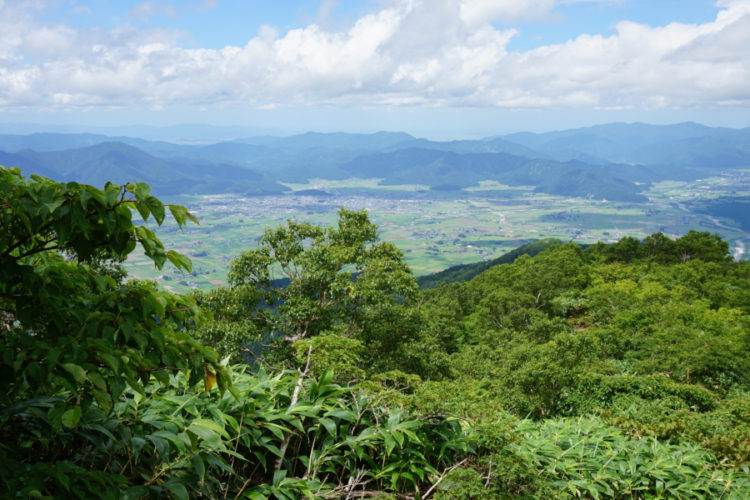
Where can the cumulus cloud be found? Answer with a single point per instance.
(407, 53)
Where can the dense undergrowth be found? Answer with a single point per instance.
(618, 371)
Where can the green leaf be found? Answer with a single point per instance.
(342, 414)
(390, 443)
(180, 261)
(135, 493)
(160, 445)
(104, 431)
(111, 193)
(180, 441)
(79, 374)
(276, 429)
(141, 190)
(143, 210)
(51, 206)
(151, 245)
(97, 380)
(255, 495)
(303, 408)
(278, 476)
(71, 417)
(178, 489)
(330, 426)
(104, 399)
(156, 208)
(181, 215)
(203, 427)
(199, 466)
(85, 197)
(399, 437)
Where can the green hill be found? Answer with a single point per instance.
(444, 170)
(466, 272)
(125, 163)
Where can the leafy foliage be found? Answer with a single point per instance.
(652, 336)
(583, 457)
(102, 383)
(305, 280)
(74, 339)
(615, 371)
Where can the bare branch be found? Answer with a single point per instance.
(295, 397)
(442, 476)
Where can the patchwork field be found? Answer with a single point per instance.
(437, 230)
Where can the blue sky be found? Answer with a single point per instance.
(438, 68)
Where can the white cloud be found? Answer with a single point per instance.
(408, 53)
(475, 12)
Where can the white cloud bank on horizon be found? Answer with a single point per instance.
(437, 53)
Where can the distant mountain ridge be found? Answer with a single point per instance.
(685, 144)
(614, 161)
(121, 163)
(446, 170)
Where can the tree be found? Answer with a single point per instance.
(100, 379)
(625, 250)
(305, 280)
(704, 246)
(558, 268)
(73, 338)
(659, 248)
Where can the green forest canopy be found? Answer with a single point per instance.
(618, 371)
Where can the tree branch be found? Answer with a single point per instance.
(40, 250)
(295, 397)
(442, 476)
(25, 239)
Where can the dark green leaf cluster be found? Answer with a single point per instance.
(75, 339)
(173, 440)
(650, 336)
(658, 248)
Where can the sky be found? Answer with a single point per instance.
(434, 68)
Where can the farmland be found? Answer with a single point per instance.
(437, 230)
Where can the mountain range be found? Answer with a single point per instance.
(613, 161)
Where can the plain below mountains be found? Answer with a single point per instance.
(613, 162)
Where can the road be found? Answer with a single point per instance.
(739, 245)
(739, 249)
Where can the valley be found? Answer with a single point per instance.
(443, 203)
(438, 230)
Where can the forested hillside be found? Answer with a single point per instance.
(615, 371)
(465, 272)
